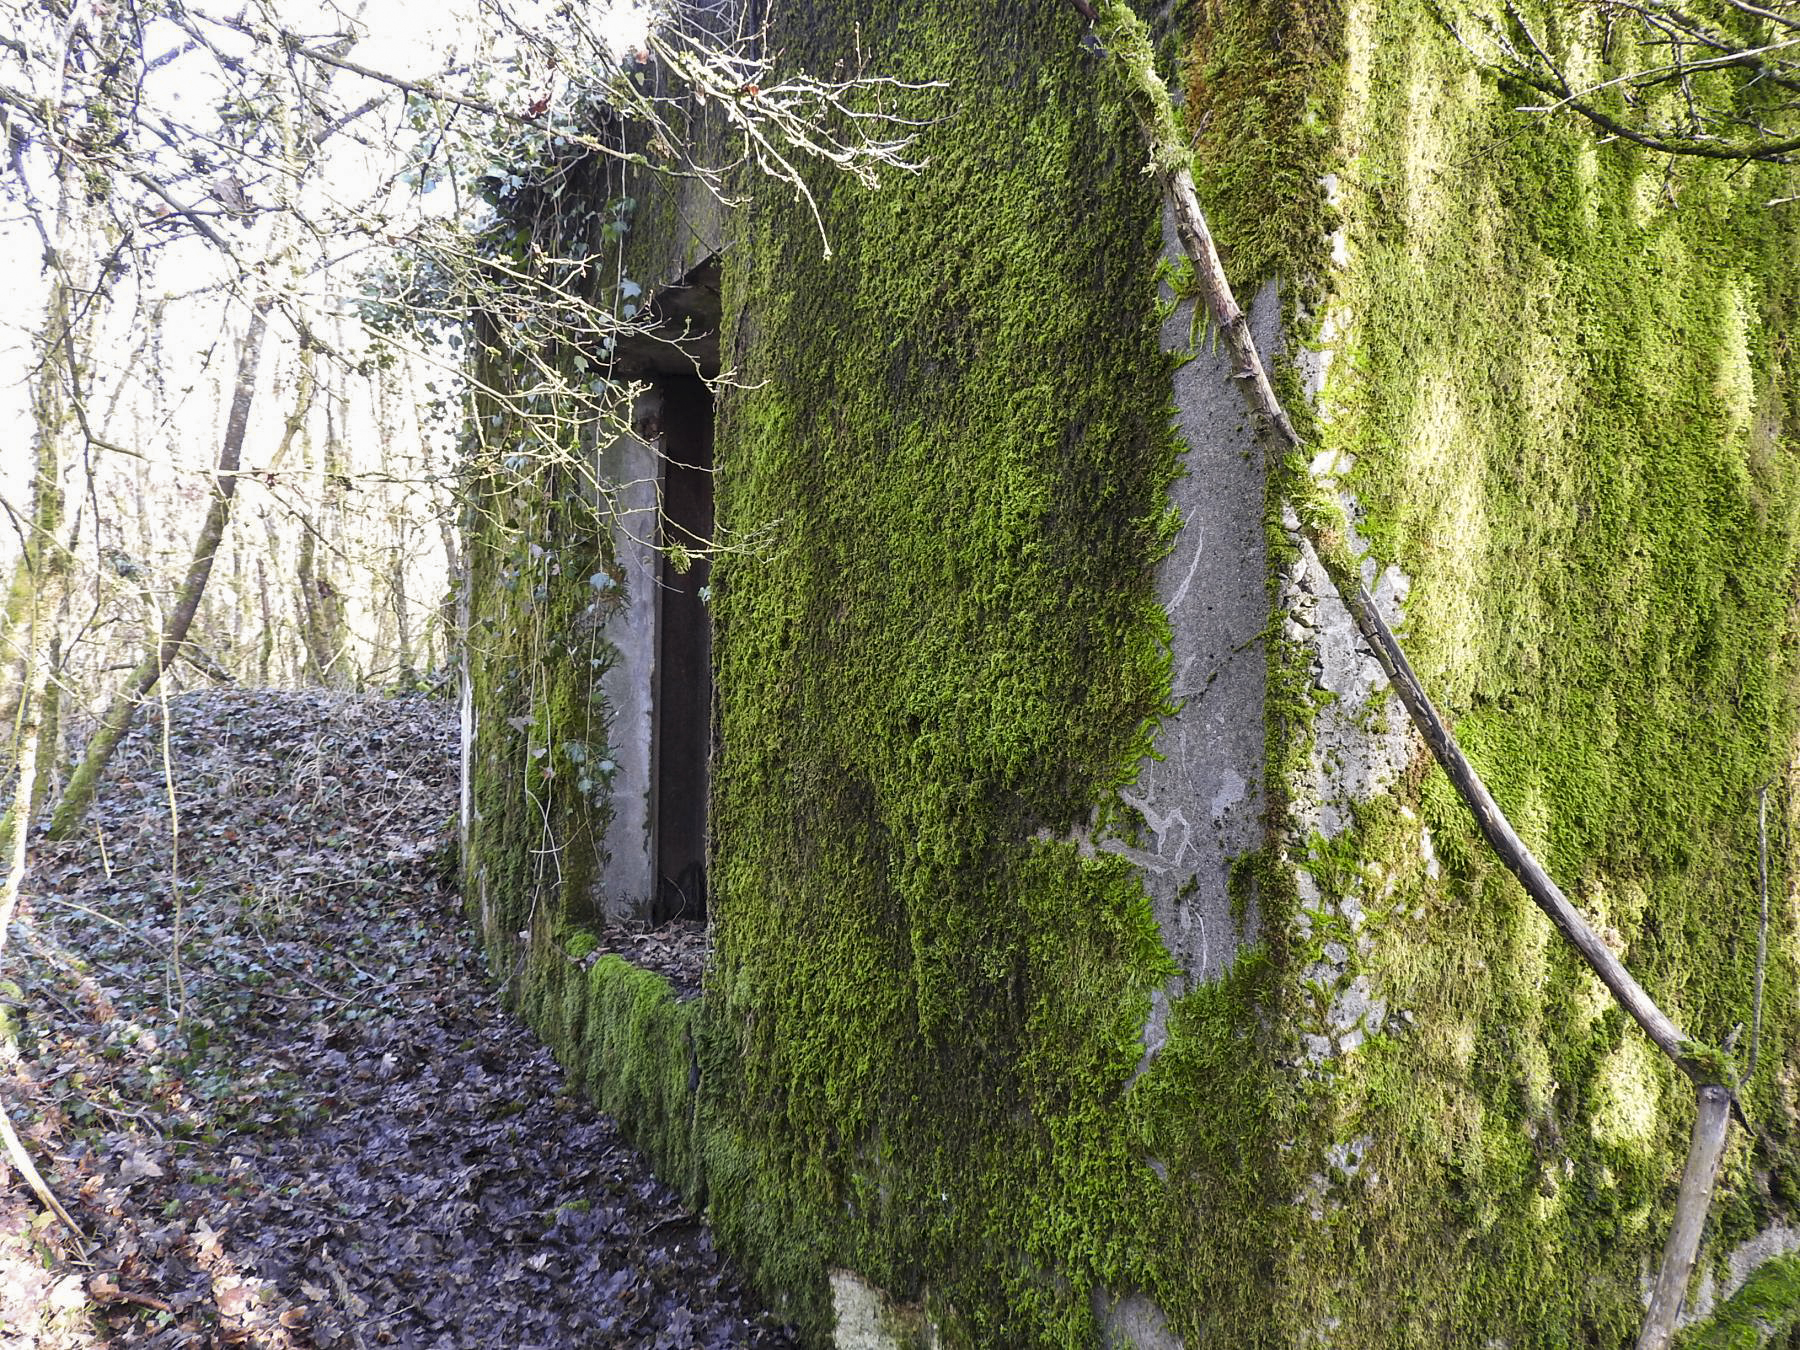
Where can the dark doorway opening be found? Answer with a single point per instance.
(684, 684)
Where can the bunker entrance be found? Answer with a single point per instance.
(659, 689)
(684, 679)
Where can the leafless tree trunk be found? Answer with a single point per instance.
(31, 619)
(240, 599)
(266, 649)
(31, 629)
(403, 655)
(34, 597)
(321, 610)
(49, 728)
(318, 604)
(15, 826)
(122, 711)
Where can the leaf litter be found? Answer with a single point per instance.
(258, 1059)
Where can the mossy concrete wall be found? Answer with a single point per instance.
(1553, 379)
(960, 1043)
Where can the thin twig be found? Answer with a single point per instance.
(21, 1161)
(126, 1296)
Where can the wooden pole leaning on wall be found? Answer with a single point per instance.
(1127, 48)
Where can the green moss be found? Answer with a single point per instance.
(628, 1042)
(1261, 80)
(919, 1052)
(924, 448)
(926, 1012)
(1564, 397)
(1214, 1110)
(1765, 1309)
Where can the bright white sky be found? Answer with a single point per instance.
(405, 37)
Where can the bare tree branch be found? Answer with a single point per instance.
(1718, 91)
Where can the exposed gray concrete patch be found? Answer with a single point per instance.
(1324, 1190)
(1744, 1260)
(1202, 801)
(1154, 1036)
(1750, 1256)
(867, 1319)
(1428, 852)
(1361, 736)
(629, 465)
(1349, 1008)
(1132, 1323)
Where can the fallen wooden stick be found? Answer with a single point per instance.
(103, 1288)
(22, 1164)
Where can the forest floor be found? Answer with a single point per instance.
(258, 1059)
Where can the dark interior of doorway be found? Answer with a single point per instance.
(684, 693)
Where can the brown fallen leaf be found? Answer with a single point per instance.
(138, 1165)
(234, 1301)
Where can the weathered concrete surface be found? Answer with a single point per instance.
(627, 883)
(1133, 1323)
(1362, 737)
(1202, 802)
(1743, 1261)
(867, 1319)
